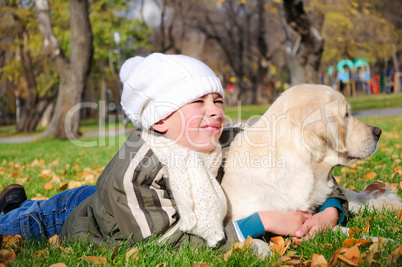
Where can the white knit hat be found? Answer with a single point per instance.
(157, 85)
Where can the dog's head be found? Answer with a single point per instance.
(322, 118)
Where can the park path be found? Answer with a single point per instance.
(362, 113)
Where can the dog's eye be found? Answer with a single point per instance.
(347, 114)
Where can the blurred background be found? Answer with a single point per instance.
(59, 60)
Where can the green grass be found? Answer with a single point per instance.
(87, 125)
(70, 162)
(383, 101)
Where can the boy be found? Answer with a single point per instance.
(162, 180)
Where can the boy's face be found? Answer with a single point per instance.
(197, 125)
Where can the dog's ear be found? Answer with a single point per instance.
(313, 131)
(336, 126)
(336, 135)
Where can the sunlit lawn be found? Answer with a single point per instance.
(49, 166)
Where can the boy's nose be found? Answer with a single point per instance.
(213, 111)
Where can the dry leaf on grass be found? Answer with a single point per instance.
(318, 261)
(12, 242)
(398, 172)
(40, 253)
(351, 256)
(335, 258)
(63, 186)
(293, 261)
(48, 186)
(59, 264)
(351, 187)
(37, 162)
(374, 248)
(54, 241)
(239, 246)
(370, 176)
(7, 256)
(348, 243)
(23, 180)
(395, 255)
(354, 231)
(115, 251)
(200, 264)
(74, 184)
(132, 254)
(94, 259)
(279, 246)
(39, 197)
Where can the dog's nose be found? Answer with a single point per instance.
(377, 132)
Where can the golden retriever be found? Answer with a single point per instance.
(285, 160)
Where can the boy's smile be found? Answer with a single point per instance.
(212, 128)
(197, 125)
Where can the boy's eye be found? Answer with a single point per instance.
(198, 101)
(218, 101)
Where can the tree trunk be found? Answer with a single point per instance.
(33, 106)
(72, 71)
(308, 57)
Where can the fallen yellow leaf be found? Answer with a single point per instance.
(397, 251)
(45, 173)
(335, 258)
(74, 184)
(59, 264)
(54, 241)
(352, 255)
(132, 254)
(12, 242)
(239, 246)
(318, 261)
(94, 259)
(370, 176)
(227, 255)
(354, 231)
(40, 253)
(374, 248)
(278, 245)
(48, 186)
(398, 172)
(7, 256)
(63, 186)
(353, 241)
(367, 227)
(39, 197)
(201, 264)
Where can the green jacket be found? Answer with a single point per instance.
(133, 201)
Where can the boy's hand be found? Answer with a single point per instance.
(322, 221)
(283, 223)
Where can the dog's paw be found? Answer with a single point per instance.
(187, 223)
(261, 248)
(214, 237)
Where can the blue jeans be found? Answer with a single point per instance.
(37, 219)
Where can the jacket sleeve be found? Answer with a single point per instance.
(338, 200)
(137, 197)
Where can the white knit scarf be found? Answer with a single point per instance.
(199, 197)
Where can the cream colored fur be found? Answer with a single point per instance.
(285, 160)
